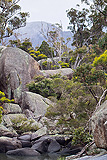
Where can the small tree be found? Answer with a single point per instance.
(45, 49)
(89, 77)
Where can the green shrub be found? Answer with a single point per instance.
(63, 64)
(3, 100)
(22, 125)
(81, 137)
(38, 78)
(44, 87)
(44, 63)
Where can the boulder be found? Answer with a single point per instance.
(49, 63)
(39, 133)
(54, 146)
(63, 71)
(10, 108)
(99, 126)
(7, 144)
(35, 103)
(17, 68)
(25, 137)
(41, 145)
(9, 119)
(6, 132)
(26, 144)
(23, 152)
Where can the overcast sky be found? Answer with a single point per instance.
(52, 11)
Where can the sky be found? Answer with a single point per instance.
(51, 11)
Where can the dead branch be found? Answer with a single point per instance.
(82, 151)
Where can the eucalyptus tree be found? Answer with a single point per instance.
(87, 25)
(11, 18)
(54, 37)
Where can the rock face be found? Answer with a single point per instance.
(17, 68)
(99, 126)
(64, 72)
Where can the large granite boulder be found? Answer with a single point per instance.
(7, 144)
(63, 71)
(23, 152)
(54, 146)
(39, 133)
(99, 126)
(6, 132)
(35, 103)
(17, 68)
(10, 108)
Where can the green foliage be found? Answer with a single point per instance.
(63, 64)
(61, 158)
(11, 18)
(2, 94)
(6, 100)
(87, 24)
(43, 87)
(88, 75)
(37, 55)
(68, 96)
(55, 67)
(46, 50)
(38, 78)
(58, 75)
(24, 45)
(82, 55)
(101, 61)
(3, 100)
(103, 42)
(81, 137)
(44, 63)
(22, 125)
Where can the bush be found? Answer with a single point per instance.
(22, 125)
(44, 87)
(81, 137)
(3, 100)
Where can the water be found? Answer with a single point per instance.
(44, 157)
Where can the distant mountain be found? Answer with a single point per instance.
(32, 30)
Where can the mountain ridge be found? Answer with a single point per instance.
(32, 30)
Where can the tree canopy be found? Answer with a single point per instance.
(87, 24)
(11, 17)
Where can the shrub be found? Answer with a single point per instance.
(44, 87)
(3, 100)
(22, 125)
(63, 64)
(81, 137)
